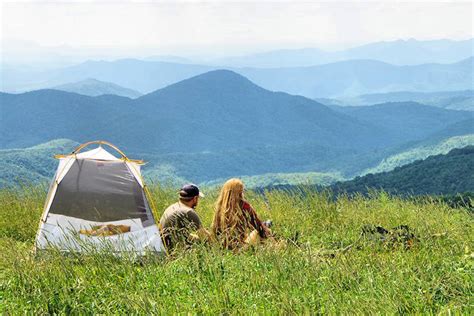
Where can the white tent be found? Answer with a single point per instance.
(98, 200)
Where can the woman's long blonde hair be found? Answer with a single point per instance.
(228, 213)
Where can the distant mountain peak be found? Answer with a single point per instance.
(215, 80)
(94, 87)
(84, 81)
(220, 74)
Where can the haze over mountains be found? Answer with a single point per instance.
(454, 100)
(399, 52)
(311, 116)
(350, 78)
(347, 78)
(93, 88)
(358, 71)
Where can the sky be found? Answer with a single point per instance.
(38, 29)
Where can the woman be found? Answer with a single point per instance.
(235, 222)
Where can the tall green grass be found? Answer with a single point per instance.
(311, 275)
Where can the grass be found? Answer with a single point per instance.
(434, 276)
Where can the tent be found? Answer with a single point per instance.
(98, 200)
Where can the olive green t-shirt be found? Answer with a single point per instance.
(177, 222)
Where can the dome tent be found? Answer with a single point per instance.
(98, 200)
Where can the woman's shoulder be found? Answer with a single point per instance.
(246, 206)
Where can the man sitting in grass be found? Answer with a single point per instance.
(180, 223)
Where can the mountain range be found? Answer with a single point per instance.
(356, 77)
(453, 100)
(220, 124)
(216, 110)
(398, 52)
(275, 118)
(341, 79)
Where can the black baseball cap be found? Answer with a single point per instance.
(189, 191)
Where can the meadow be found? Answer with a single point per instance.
(326, 266)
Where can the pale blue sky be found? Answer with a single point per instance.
(141, 28)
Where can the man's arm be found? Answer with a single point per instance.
(200, 232)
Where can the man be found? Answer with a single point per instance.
(180, 223)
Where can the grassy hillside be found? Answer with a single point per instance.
(440, 174)
(314, 275)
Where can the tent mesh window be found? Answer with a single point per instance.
(101, 191)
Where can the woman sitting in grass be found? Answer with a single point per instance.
(235, 221)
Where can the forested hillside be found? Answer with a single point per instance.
(218, 110)
(30, 165)
(407, 120)
(441, 174)
(421, 150)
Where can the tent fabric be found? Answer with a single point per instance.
(95, 188)
(62, 232)
(135, 170)
(63, 168)
(101, 191)
(98, 153)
